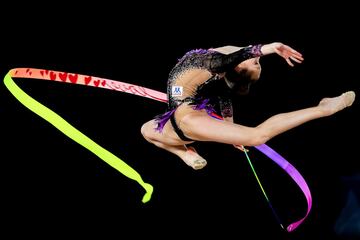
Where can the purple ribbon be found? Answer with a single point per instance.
(294, 174)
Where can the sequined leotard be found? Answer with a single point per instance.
(193, 81)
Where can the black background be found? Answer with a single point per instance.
(49, 182)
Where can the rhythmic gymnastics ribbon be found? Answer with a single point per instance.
(107, 156)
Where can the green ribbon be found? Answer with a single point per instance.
(76, 135)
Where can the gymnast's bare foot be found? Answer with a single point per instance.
(193, 159)
(335, 104)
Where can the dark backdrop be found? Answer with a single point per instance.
(52, 183)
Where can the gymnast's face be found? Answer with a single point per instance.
(244, 74)
(252, 67)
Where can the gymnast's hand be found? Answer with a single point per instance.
(241, 148)
(284, 51)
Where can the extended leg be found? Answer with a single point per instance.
(198, 126)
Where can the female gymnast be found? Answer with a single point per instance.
(201, 85)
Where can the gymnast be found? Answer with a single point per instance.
(199, 91)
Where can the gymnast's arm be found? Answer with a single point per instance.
(227, 113)
(226, 109)
(228, 57)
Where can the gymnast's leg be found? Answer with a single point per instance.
(198, 126)
(169, 141)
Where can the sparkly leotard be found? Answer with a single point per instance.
(195, 80)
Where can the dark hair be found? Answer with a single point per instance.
(238, 82)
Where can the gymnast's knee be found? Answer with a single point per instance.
(258, 136)
(146, 131)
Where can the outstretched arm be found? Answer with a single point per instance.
(284, 51)
(230, 56)
(227, 49)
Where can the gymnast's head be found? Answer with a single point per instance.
(243, 76)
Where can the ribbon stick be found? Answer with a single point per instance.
(105, 155)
